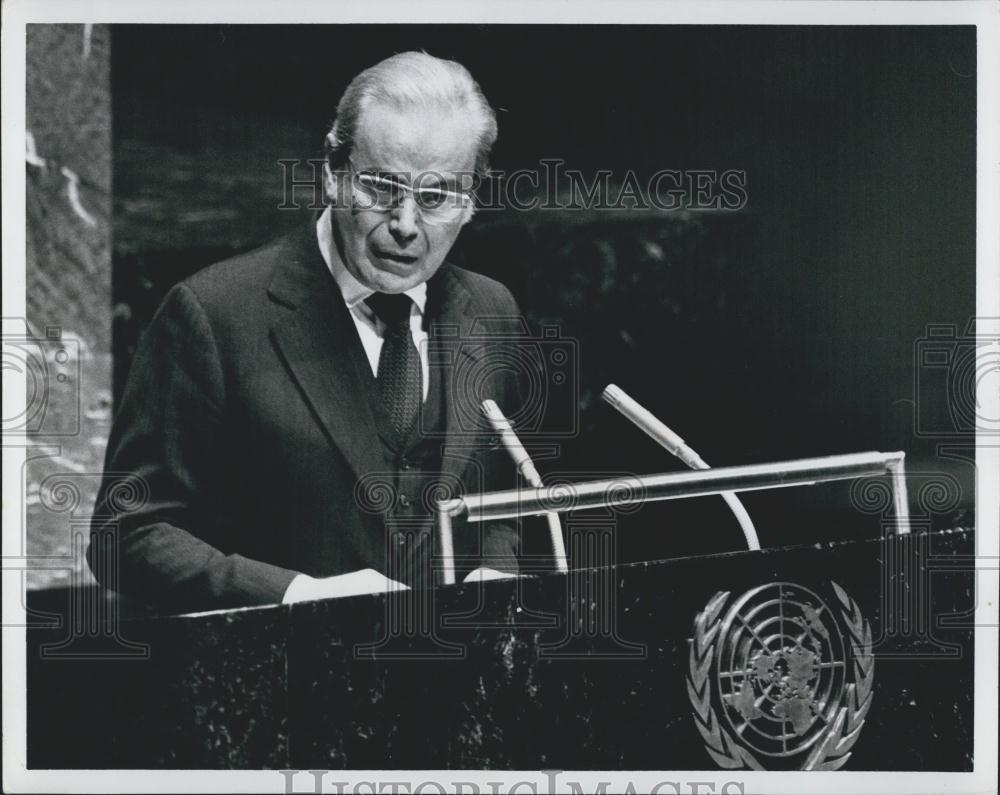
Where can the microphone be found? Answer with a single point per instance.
(649, 424)
(522, 461)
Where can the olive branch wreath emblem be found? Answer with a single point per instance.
(833, 748)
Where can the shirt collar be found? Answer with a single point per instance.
(353, 291)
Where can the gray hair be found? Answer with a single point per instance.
(412, 80)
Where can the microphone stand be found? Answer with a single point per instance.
(647, 422)
(524, 465)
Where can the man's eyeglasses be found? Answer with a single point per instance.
(383, 192)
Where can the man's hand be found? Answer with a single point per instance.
(484, 573)
(305, 588)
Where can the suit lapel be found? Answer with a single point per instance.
(453, 349)
(320, 346)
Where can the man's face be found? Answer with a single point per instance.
(392, 251)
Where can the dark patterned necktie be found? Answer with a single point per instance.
(399, 374)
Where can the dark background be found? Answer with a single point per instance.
(789, 328)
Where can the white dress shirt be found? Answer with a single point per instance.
(371, 330)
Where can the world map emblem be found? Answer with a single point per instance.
(779, 678)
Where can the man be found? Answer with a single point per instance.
(292, 414)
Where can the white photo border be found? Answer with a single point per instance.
(984, 15)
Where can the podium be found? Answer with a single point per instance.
(516, 675)
(851, 655)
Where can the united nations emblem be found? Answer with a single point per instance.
(776, 683)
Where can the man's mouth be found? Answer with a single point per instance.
(401, 259)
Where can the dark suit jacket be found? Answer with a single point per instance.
(245, 441)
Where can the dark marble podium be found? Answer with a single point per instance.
(589, 670)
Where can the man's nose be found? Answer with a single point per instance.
(403, 221)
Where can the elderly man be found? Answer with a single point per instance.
(292, 413)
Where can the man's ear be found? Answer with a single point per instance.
(331, 185)
(467, 212)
